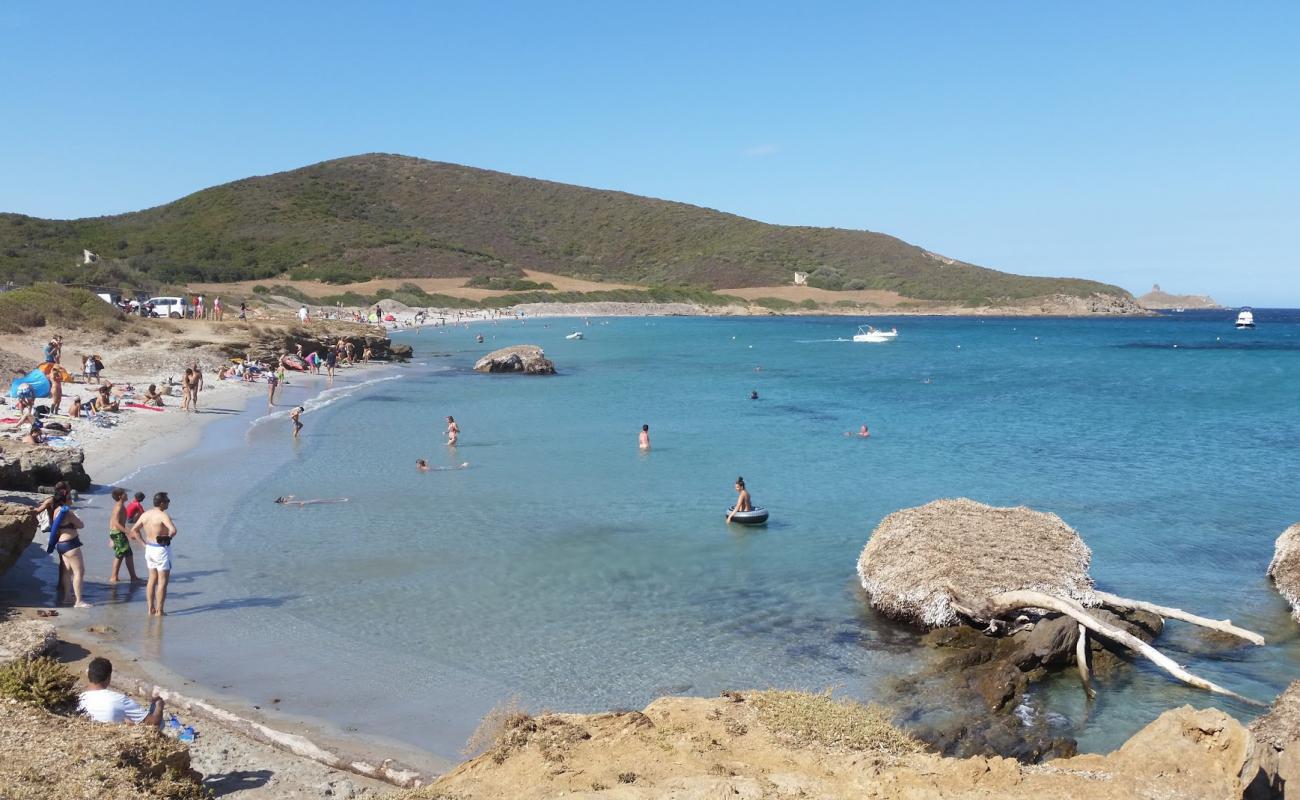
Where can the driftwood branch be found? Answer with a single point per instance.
(1223, 625)
(1081, 659)
(1008, 602)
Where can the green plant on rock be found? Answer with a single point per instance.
(40, 681)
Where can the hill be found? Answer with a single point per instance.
(369, 216)
(1156, 298)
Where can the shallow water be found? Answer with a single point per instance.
(568, 569)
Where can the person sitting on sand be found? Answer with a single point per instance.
(102, 704)
(33, 435)
(104, 400)
(153, 397)
(76, 408)
(743, 501)
(643, 441)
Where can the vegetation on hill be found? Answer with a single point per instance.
(383, 215)
(52, 304)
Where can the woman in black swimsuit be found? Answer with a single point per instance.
(67, 540)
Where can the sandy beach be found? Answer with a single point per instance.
(242, 749)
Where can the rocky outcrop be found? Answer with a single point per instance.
(1278, 735)
(17, 529)
(1063, 305)
(971, 694)
(526, 358)
(1284, 569)
(25, 638)
(1156, 298)
(695, 748)
(29, 467)
(272, 343)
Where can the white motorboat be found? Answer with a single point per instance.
(575, 335)
(866, 333)
(1246, 319)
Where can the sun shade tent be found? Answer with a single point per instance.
(39, 383)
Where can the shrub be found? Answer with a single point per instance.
(260, 289)
(802, 717)
(40, 681)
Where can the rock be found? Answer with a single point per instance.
(1284, 569)
(526, 358)
(273, 343)
(27, 467)
(25, 638)
(17, 529)
(1278, 736)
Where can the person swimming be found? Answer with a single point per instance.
(643, 441)
(753, 395)
(421, 465)
(743, 500)
(453, 431)
(290, 500)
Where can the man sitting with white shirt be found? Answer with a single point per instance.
(102, 704)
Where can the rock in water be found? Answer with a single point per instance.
(1284, 569)
(918, 557)
(526, 358)
(17, 529)
(27, 467)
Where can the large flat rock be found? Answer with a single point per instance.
(28, 467)
(524, 358)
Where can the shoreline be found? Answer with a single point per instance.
(310, 748)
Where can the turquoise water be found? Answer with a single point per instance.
(568, 569)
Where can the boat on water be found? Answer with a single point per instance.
(867, 333)
(1246, 319)
(575, 335)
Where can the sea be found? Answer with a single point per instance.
(565, 569)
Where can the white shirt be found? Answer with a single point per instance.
(106, 705)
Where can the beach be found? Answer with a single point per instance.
(589, 605)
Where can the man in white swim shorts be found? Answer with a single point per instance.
(155, 526)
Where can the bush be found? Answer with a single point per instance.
(260, 289)
(39, 681)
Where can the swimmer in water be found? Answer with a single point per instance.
(863, 433)
(643, 441)
(290, 500)
(453, 431)
(753, 395)
(421, 465)
(743, 501)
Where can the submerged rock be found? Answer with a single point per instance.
(526, 358)
(1284, 569)
(28, 467)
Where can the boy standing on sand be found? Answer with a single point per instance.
(156, 528)
(119, 539)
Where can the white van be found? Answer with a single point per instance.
(173, 307)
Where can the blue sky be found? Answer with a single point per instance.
(1128, 142)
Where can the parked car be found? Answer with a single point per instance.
(173, 307)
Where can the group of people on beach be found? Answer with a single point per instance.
(128, 522)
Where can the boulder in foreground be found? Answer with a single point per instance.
(1284, 569)
(526, 358)
(17, 529)
(763, 744)
(28, 467)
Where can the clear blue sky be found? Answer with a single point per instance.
(1132, 142)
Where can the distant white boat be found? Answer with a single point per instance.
(1246, 319)
(866, 333)
(575, 335)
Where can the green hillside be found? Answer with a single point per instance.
(394, 216)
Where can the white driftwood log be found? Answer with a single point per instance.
(1223, 625)
(1008, 602)
(1081, 658)
(300, 746)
